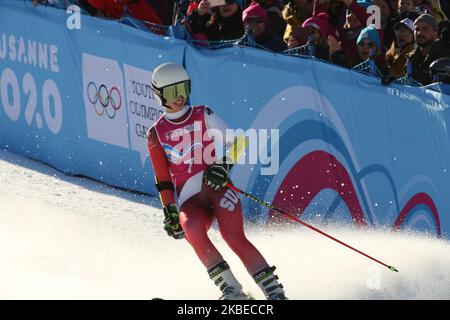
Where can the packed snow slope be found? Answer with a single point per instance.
(64, 237)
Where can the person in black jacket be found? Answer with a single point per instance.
(218, 23)
(430, 47)
(255, 21)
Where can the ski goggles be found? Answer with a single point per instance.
(172, 91)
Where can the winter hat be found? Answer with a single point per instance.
(319, 22)
(254, 10)
(428, 19)
(408, 23)
(370, 33)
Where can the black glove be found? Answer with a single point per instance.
(216, 175)
(172, 222)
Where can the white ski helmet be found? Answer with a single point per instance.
(169, 81)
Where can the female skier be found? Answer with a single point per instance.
(175, 144)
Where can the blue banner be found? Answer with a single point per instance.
(80, 99)
(340, 147)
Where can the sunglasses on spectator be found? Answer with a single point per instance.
(369, 44)
(254, 20)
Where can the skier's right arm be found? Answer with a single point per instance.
(164, 186)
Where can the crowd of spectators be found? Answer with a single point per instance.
(411, 34)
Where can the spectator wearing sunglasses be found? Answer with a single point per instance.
(404, 43)
(218, 23)
(256, 24)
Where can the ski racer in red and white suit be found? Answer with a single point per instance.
(183, 148)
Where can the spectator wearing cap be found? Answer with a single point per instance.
(295, 13)
(426, 3)
(275, 20)
(404, 43)
(218, 23)
(429, 49)
(255, 21)
(334, 11)
(368, 45)
(317, 27)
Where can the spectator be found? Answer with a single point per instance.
(429, 49)
(218, 23)
(295, 13)
(406, 9)
(355, 21)
(275, 20)
(334, 12)
(256, 22)
(396, 57)
(318, 33)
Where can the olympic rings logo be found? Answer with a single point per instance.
(101, 95)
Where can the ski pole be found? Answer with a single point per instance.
(290, 216)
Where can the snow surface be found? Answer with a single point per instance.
(64, 237)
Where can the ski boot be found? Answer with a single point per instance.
(225, 280)
(268, 282)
